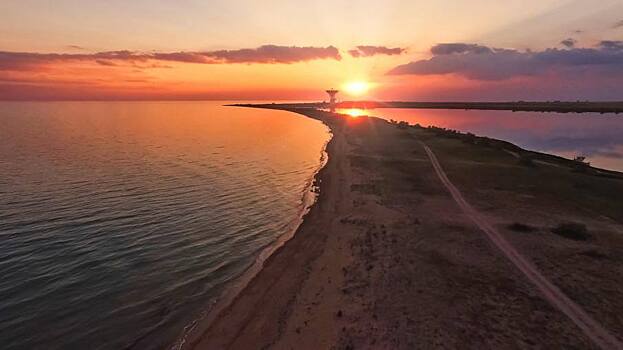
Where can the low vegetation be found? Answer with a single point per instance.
(580, 164)
(572, 230)
(400, 124)
(519, 227)
(525, 159)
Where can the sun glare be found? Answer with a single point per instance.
(356, 88)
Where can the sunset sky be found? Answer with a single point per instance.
(279, 50)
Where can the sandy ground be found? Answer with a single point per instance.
(386, 259)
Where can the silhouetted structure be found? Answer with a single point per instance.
(332, 100)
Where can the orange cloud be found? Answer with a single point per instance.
(267, 54)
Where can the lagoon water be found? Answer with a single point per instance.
(598, 137)
(120, 222)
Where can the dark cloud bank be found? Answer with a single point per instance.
(480, 62)
(263, 54)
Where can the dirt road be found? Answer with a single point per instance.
(585, 322)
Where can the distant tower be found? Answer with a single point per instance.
(332, 100)
(332, 93)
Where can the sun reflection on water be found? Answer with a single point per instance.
(353, 112)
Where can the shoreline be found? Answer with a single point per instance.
(274, 261)
(278, 303)
(205, 319)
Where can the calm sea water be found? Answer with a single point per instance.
(120, 222)
(599, 137)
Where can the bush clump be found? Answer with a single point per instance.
(519, 227)
(580, 165)
(403, 125)
(526, 160)
(572, 230)
(469, 138)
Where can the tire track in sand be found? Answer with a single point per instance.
(598, 334)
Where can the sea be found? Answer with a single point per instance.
(121, 223)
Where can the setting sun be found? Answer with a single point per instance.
(356, 88)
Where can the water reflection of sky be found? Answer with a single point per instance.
(599, 137)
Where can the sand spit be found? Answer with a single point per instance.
(386, 259)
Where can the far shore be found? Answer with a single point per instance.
(516, 106)
(430, 238)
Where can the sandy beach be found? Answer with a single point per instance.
(424, 238)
